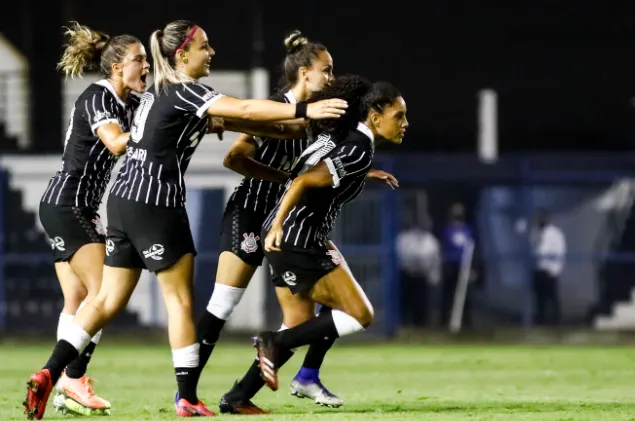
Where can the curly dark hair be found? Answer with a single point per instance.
(352, 89)
(362, 97)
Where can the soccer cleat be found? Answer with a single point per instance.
(81, 391)
(67, 406)
(186, 409)
(38, 389)
(240, 407)
(267, 357)
(314, 389)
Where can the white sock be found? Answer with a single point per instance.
(75, 336)
(283, 327)
(224, 300)
(62, 324)
(186, 357)
(95, 339)
(345, 324)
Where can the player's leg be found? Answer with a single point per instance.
(352, 313)
(241, 254)
(74, 294)
(307, 382)
(117, 286)
(237, 400)
(232, 277)
(119, 278)
(87, 264)
(168, 250)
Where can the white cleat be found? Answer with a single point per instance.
(316, 391)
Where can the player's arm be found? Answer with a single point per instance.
(240, 159)
(112, 136)
(317, 177)
(287, 129)
(267, 110)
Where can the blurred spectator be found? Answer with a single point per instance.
(456, 235)
(419, 256)
(549, 246)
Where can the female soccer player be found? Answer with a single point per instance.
(266, 163)
(330, 173)
(96, 135)
(148, 224)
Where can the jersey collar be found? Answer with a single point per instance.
(108, 86)
(361, 127)
(291, 97)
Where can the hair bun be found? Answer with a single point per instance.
(294, 41)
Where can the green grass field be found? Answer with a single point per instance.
(377, 382)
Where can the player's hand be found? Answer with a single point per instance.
(327, 108)
(274, 238)
(216, 125)
(384, 177)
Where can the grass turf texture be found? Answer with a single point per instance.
(377, 382)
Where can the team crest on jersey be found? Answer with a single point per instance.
(250, 242)
(336, 258)
(99, 227)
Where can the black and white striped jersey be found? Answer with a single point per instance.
(166, 130)
(86, 163)
(260, 196)
(348, 159)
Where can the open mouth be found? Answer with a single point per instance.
(143, 78)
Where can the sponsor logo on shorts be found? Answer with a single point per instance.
(250, 242)
(336, 257)
(57, 243)
(99, 226)
(110, 247)
(289, 278)
(155, 252)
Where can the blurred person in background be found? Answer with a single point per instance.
(457, 234)
(97, 134)
(550, 248)
(419, 254)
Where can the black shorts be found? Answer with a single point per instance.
(240, 234)
(69, 228)
(146, 236)
(299, 269)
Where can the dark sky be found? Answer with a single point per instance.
(563, 74)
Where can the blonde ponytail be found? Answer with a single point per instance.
(163, 46)
(83, 51)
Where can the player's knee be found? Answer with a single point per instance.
(72, 301)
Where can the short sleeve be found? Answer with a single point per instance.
(196, 98)
(100, 109)
(348, 160)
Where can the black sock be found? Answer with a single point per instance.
(62, 355)
(187, 379)
(208, 331)
(77, 368)
(252, 381)
(309, 332)
(317, 351)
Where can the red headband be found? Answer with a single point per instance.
(188, 39)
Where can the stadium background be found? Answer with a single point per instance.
(565, 111)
